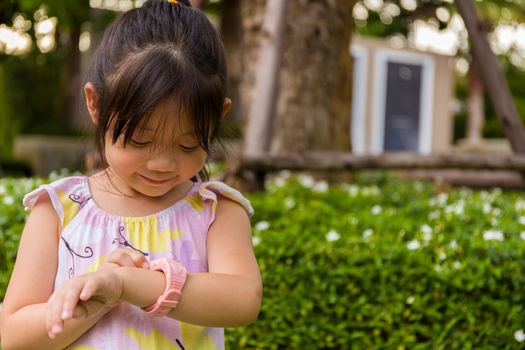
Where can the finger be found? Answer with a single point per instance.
(120, 257)
(55, 324)
(71, 299)
(88, 290)
(127, 257)
(138, 259)
(48, 314)
(108, 265)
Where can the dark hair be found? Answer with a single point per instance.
(160, 52)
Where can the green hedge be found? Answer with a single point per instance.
(379, 264)
(387, 264)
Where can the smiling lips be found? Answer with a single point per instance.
(154, 182)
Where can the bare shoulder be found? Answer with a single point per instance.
(230, 241)
(35, 268)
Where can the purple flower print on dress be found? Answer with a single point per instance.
(79, 199)
(185, 257)
(87, 250)
(124, 242)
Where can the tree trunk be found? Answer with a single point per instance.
(315, 81)
(313, 108)
(493, 76)
(476, 105)
(258, 132)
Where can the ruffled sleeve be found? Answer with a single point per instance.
(59, 194)
(209, 191)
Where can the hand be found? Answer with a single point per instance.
(82, 297)
(125, 257)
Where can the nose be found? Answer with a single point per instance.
(162, 161)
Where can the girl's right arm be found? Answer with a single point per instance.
(22, 321)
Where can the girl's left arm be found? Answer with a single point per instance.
(228, 295)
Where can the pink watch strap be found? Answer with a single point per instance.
(175, 278)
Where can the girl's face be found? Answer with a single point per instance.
(157, 160)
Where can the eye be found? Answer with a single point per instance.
(139, 143)
(188, 148)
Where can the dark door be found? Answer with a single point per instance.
(403, 99)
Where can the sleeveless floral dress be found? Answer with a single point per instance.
(178, 232)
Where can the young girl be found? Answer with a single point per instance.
(140, 255)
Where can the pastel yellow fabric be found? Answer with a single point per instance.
(70, 208)
(195, 202)
(153, 340)
(193, 337)
(94, 267)
(155, 241)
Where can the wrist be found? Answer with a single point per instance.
(175, 277)
(121, 276)
(140, 287)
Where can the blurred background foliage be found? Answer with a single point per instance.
(42, 68)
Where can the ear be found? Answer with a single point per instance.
(227, 105)
(91, 101)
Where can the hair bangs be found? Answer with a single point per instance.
(201, 99)
(139, 85)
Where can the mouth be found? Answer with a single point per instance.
(154, 181)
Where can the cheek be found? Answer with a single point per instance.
(121, 158)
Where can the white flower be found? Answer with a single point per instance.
(433, 215)
(262, 225)
(495, 235)
(427, 232)
(487, 208)
(442, 199)
(456, 208)
(519, 335)
(438, 268)
(496, 211)
(494, 222)
(376, 209)
(522, 220)
(279, 182)
(2, 189)
(410, 300)
(426, 229)
(284, 174)
(453, 244)
(306, 181)
(519, 205)
(256, 240)
(289, 202)
(413, 245)
(368, 232)
(8, 200)
(353, 190)
(456, 265)
(522, 235)
(332, 235)
(320, 186)
(442, 256)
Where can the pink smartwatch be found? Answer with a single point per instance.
(175, 278)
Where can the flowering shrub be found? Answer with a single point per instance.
(387, 264)
(381, 263)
